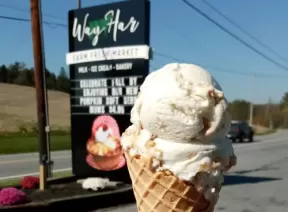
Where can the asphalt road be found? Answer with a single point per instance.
(19, 165)
(27, 164)
(259, 183)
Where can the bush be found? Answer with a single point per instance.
(12, 196)
(29, 182)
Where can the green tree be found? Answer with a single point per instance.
(51, 80)
(18, 73)
(25, 77)
(239, 110)
(3, 74)
(63, 82)
(30, 77)
(14, 71)
(284, 101)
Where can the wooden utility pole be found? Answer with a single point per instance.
(251, 113)
(79, 4)
(47, 126)
(251, 102)
(268, 113)
(40, 88)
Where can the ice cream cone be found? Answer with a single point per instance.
(176, 149)
(159, 191)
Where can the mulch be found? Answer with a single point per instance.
(56, 192)
(61, 191)
(70, 194)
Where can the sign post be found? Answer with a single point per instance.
(108, 60)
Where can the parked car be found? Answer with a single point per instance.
(240, 131)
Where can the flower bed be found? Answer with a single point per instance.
(30, 182)
(12, 196)
(60, 195)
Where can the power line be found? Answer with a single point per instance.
(234, 36)
(27, 10)
(172, 58)
(51, 24)
(244, 31)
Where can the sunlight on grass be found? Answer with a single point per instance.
(28, 142)
(16, 181)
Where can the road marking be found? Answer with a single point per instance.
(29, 154)
(30, 160)
(32, 174)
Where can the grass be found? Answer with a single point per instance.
(270, 131)
(261, 130)
(16, 181)
(13, 143)
(18, 108)
(18, 119)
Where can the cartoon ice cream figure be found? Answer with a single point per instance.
(104, 149)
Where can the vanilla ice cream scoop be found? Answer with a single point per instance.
(179, 121)
(180, 102)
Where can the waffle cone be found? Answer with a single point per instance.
(159, 192)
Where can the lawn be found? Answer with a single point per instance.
(266, 132)
(28, 142)
(18, 119)
(16, 181)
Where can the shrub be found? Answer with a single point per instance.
(29, 182)
(12, 196)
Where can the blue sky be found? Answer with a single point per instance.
(178, 31)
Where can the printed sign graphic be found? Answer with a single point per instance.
(108, 60)
(104, 149)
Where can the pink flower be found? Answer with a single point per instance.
(12, 196)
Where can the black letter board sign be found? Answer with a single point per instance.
(108, 59)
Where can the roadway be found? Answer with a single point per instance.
(259, 183)
(18, 165)
(27, 164)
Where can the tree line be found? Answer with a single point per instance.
(271, 114)
(18, 73)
